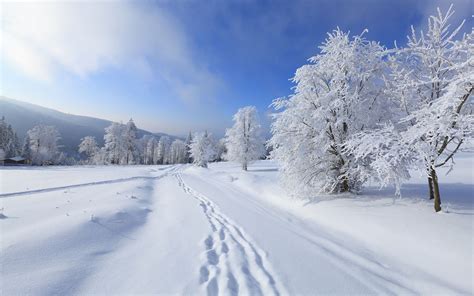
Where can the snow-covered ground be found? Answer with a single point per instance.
(187, 230)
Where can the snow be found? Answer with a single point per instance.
(188, 230)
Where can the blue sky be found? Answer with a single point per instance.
(176, 66)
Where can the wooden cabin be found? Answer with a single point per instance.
(17, 160)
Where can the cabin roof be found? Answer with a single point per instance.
(16, 158)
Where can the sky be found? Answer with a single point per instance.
(184, 65)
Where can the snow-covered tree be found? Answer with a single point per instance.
(431, 83)
(178, 152)
(100, 157)
(163, 150)
(149, 149)
(188, 151)
(9, 142)
(89, 147)
(114, 147)
(131, 153)
(156, 154)
(441, 119)
(26, 150)
(203, 149)
(221, 149)
(337, 95)
(244, 140)
(44, 144)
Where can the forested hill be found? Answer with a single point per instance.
(23, 116)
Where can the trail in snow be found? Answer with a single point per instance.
(367, 270)
(233, 263)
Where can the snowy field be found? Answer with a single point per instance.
(188, 230)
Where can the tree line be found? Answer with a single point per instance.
(122, 147)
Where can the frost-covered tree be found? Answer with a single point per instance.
(221, 149)
(163, 150)
(141, 148)
(89, 147)
(44, 144)
(131, 154)
(178, 151)
(203, 149)
(188, 151)
(244, 140)
(26, 150)
(114, 143)
(440, 119)
(149, 150)
(337, 95)
(156, 154)
(100, 157)
(431, 83)
(9, 142)
(385, 158)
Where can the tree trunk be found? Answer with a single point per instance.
(345, 185)
(244, 166)
(437, 196)
(430, 184)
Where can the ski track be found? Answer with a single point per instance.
(167, 172)
(382, 279)
(232, 263)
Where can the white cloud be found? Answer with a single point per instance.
(462, 12)
(46, 39)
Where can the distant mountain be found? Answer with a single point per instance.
(23, 116)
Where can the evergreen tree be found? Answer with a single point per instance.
(188, 141)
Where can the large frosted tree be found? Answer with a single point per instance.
(244, 141)
(430, 83)
(439, 117)
(433, 82)
(337, 95)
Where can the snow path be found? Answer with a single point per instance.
(232, 262)
(325, 260)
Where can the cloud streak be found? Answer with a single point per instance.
(47, 39)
